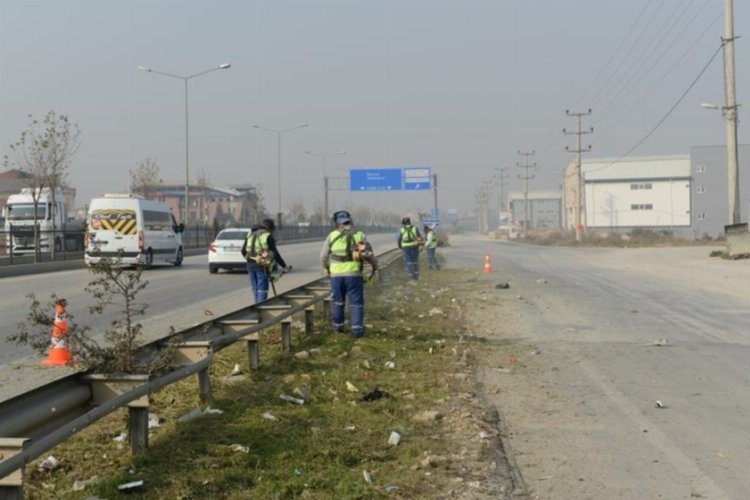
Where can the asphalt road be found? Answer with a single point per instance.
(176, 297)
(580, 402)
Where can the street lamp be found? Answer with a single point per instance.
(325, 181)
(187, 135)
(278, 144)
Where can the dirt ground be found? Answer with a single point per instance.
(540, 406)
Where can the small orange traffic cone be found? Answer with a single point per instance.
(487, 264)
(59, 353)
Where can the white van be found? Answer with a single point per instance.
(142, 232)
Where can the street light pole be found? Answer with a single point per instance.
(323, 157)
(278, 156)
(185, 79)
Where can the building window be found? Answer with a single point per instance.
(642, 206)
(700, 189)
(641, 185)
(701, 168)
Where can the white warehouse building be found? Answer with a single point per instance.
(645, 192)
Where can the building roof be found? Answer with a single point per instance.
(650, 167)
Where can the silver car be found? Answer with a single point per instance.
(224, 251)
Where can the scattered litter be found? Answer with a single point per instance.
(121, 437)
(503, 370)
(367, 476)
(366, 364)
(239, 447)
(153, 420)
(269, 416)
(391, 488)
(303, 392)
(80, 485)
(49, 463)
(541, 281)
(351, 387)
(375, 394)
(212, 411)
(658, 343)
(292, 399)
(130, 486)
(236, 370)
(435, 311)
(502, 286)
(394, 438)
(659, 404)
(390, 365)
(485, 435)
(297, 472)
(350, 428)
(536, 352)
(195, 413)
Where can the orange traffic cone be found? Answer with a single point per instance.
(487, 264)
(59, 353)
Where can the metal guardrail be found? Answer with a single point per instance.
(36, 421)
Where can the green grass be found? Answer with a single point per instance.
(318, 450)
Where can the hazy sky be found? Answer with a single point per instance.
(457, 85)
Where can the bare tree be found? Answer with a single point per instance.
(44, 152)
(144, 177)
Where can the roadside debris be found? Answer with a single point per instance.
(367, 476)
(304, 393)
(49, 463)
(80, 484)
(351, 387)
(659, 404)
(394, 438)
(502, 286)
(132, 485)
(292, 399)
(658, 343)
(239, 447)
(375, 394)
(269, 416)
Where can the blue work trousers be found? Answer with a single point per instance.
(431, 258)
(350, 288)
(258, 281)
(411, 261)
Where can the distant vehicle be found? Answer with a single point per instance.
(67, 233)
(224, 251)
(136, 230)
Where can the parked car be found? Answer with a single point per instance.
(224, 251)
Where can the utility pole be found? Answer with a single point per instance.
(579, 171)
(500, 178)
(435, 197)
(730, 113)
(526, 189)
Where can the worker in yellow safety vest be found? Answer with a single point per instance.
(343, 254)
(262, 258)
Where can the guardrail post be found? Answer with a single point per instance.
(105, 387)
(286, 334)
(191, 352)
(11, 486)
(253, 350)
(309, 320)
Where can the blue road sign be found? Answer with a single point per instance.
(433, 222)
(417, 178)
(375, 179)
